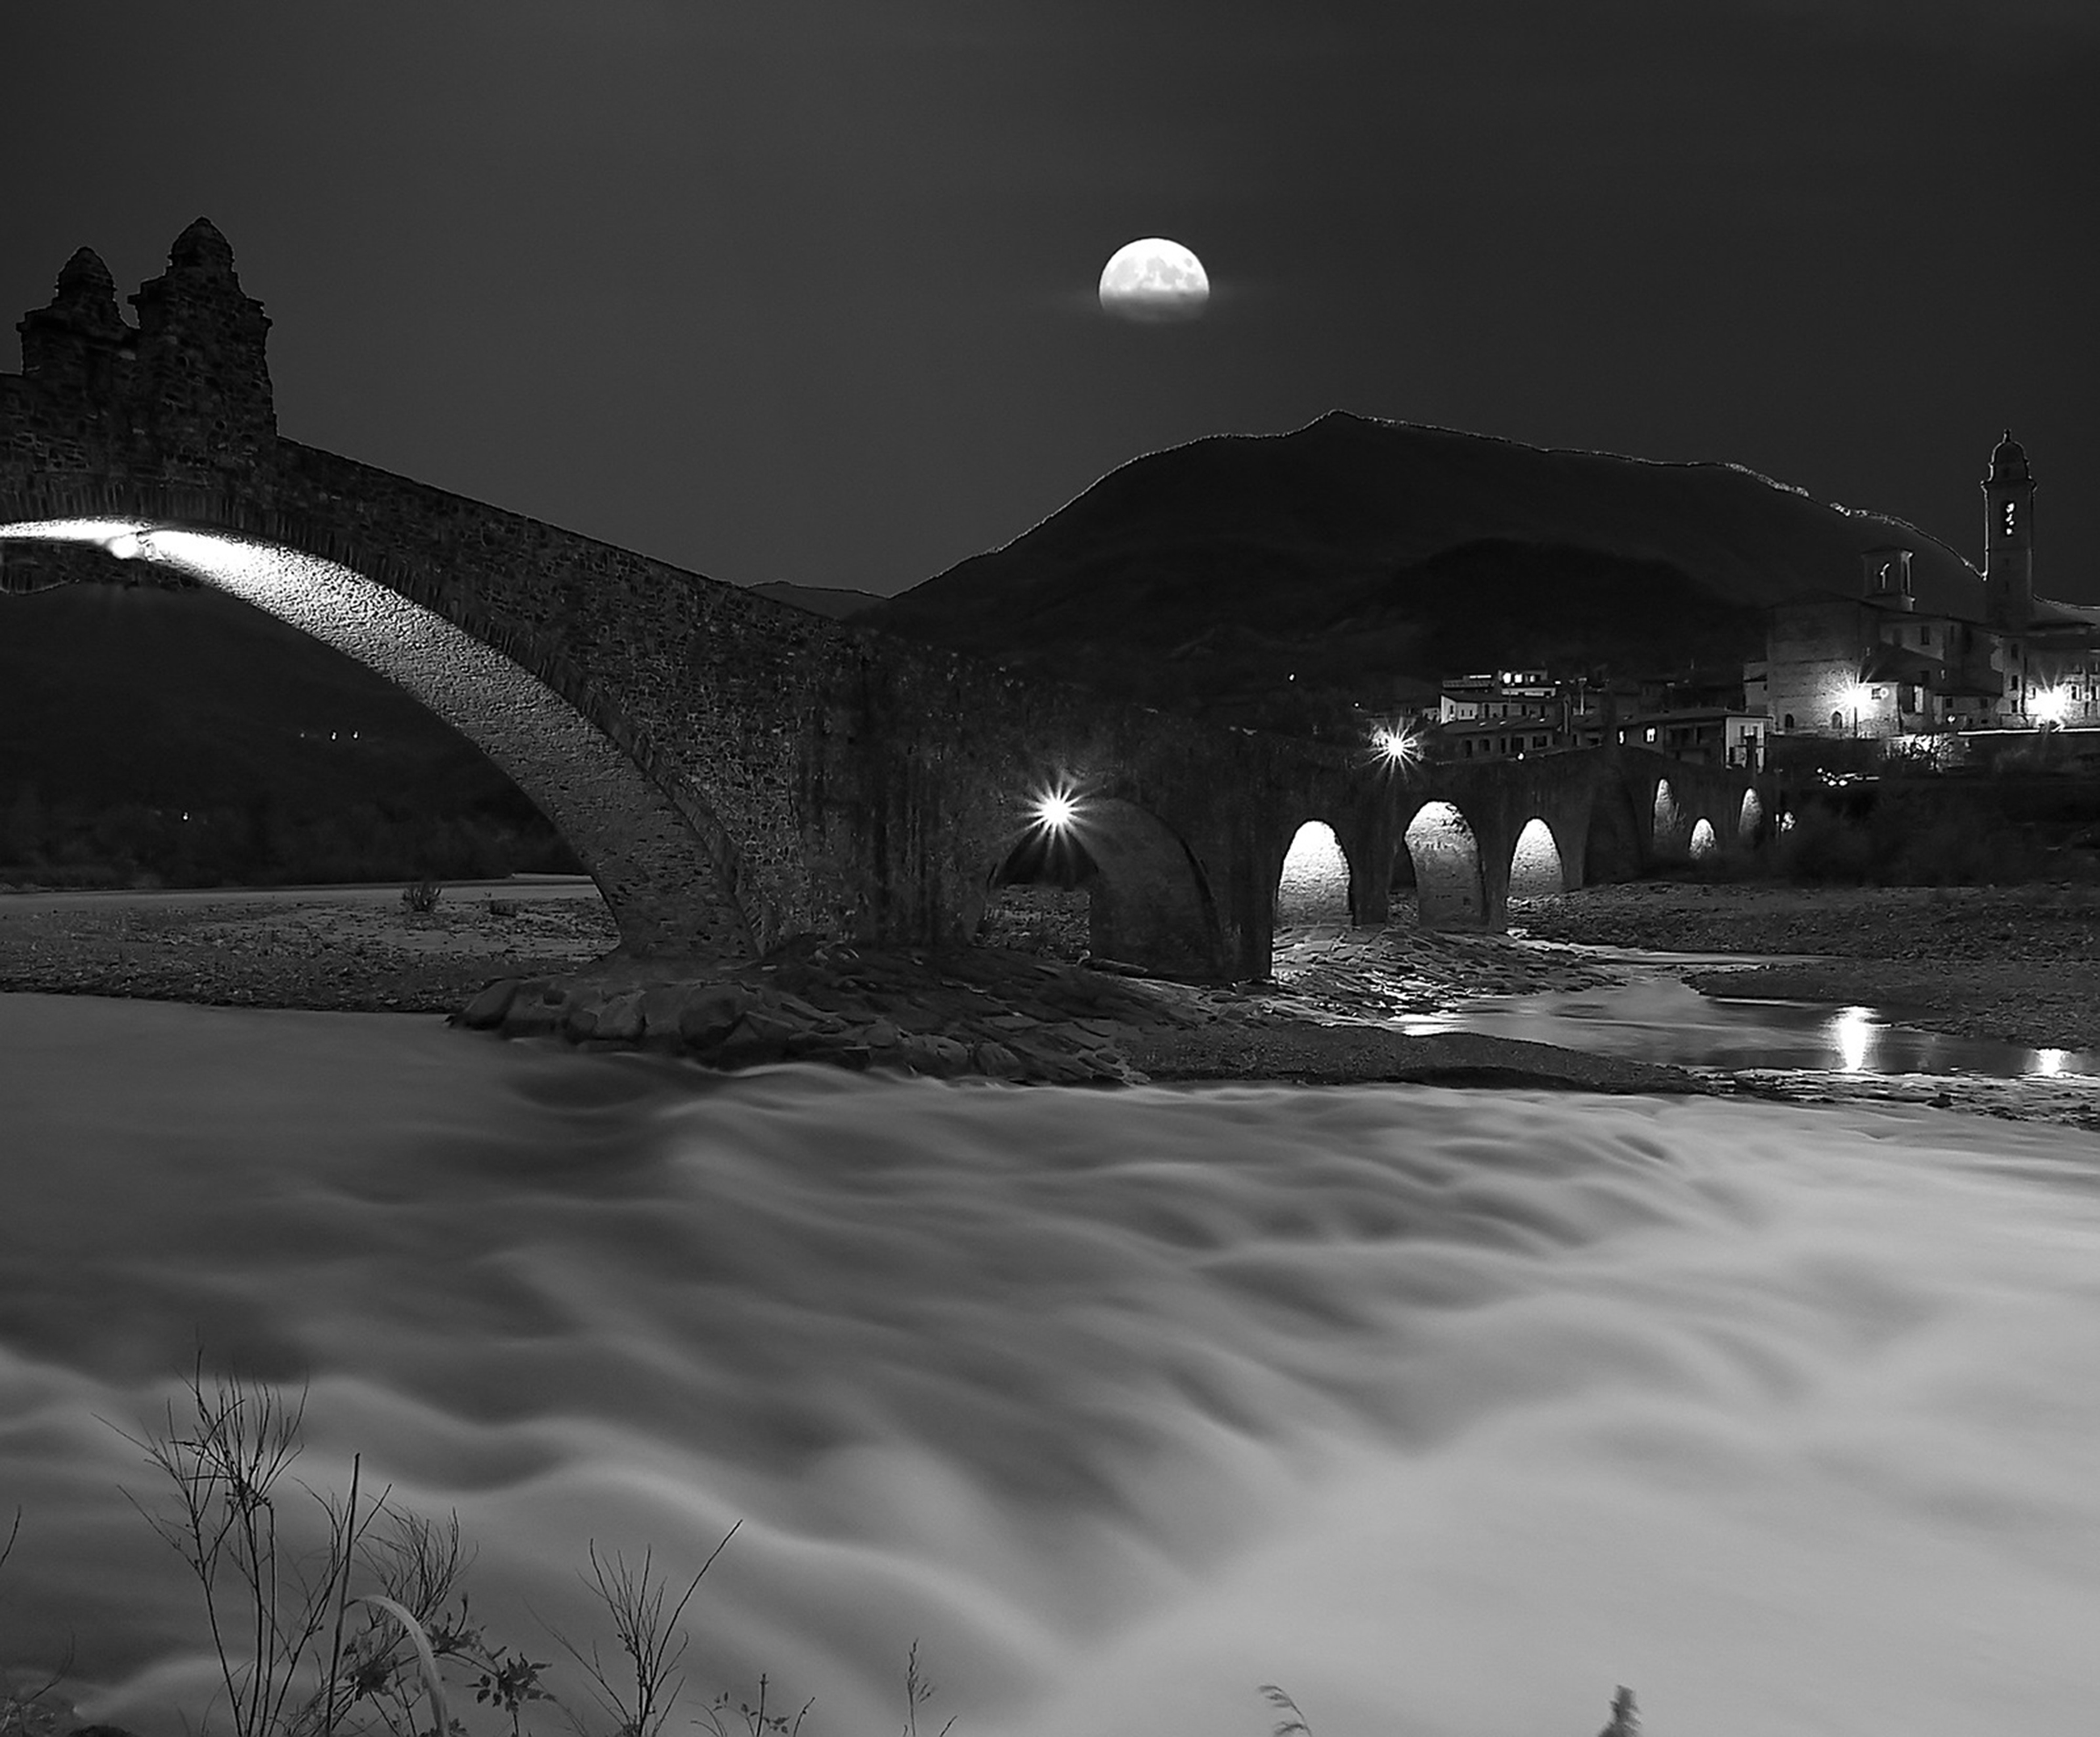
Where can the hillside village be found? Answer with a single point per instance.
(1875, 671)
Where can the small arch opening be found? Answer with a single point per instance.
(1116, 882)
(1446, 859)
(1665, 813)
(1704, 844)
(1313, 888)
(1535, 870)
(1040, 899)
(1751, 817)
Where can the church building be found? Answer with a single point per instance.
(1873, 665)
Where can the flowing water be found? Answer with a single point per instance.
(1446, 1410)
(1660, 1019)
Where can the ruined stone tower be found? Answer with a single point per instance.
(186, 393)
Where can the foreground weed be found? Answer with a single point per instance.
(917, 1692)
(1626, 1720)
(31, 1712)
(757, 1721)
(1293, 1726)
(641, 1698)
(265, 1613)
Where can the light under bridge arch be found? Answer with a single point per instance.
(1440, 846)
(1536, 868)
(1312, 886)
(646, 855)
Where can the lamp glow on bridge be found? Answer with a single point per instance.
(2049, 705)
(1395, 747)
(126, 546)
(1057, 811)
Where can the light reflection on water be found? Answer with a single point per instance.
(1661, 1020)
(1448, 1410)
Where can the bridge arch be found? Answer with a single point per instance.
(1312, 885)
(1538, 869)
(1665, 816)
(1148, 898)
(645, 849)
(1749, 819)
(1444, 854)
(1704, 844)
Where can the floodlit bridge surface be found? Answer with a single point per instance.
(732, 771)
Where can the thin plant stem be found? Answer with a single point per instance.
(341, 1597)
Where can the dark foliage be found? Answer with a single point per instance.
(184, 739)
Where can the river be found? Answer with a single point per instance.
(1446, 1410)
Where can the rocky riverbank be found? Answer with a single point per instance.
(1003, 1015)
(529, 963)
(2021, 965)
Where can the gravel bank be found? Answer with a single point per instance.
(320, 950)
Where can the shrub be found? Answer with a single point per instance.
(420, 897)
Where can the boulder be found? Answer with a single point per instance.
(756, 1039)
(535, 1010)
(619, 1020)
(996, 1062)
(660, 1008)
(709, 1013)
(485, 1012)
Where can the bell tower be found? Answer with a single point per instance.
(2009, 492)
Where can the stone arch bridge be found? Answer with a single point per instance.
(732, 771)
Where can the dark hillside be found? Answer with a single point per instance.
(834, 601)
(1353, 552)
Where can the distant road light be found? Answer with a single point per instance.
(2049, 704)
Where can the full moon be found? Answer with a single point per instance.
(1154, 281)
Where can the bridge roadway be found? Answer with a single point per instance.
(733, 772)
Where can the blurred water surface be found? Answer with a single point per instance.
(1448, 1410)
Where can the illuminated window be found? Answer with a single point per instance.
(2012, 509)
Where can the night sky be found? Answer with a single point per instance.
(804, 290)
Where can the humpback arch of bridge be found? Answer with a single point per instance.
(659, 856)
(770, 772)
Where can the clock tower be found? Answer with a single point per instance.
(2009, 492)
